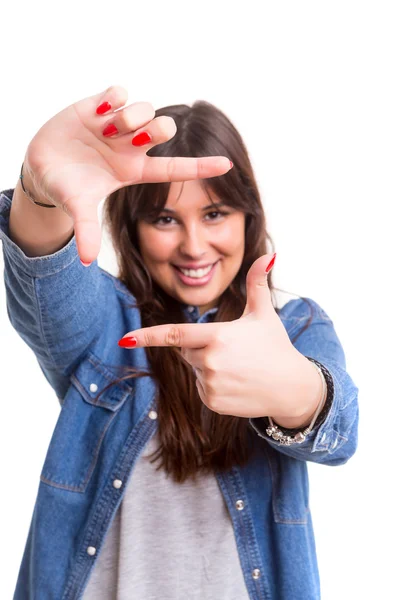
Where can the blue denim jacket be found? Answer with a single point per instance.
(72, 318)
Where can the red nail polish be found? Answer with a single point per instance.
(103, 108)
(85, 264)
(127, 342)
(110, 130)
(141, 139)
(271, 264)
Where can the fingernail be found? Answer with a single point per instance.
(127, 342)
(110, 130)
(85, 264)
(141, 139)
(103, 108)
(271, 264)
(231, 164)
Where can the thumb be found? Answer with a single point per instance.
(87, 229)
(258, 293)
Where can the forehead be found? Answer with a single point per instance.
(193, 192)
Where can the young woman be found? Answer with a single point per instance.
(190, 403)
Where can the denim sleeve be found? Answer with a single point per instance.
(55, 304)
(335, 440)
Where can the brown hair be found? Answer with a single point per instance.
(192, 437)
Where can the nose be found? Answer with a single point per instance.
(194, 241)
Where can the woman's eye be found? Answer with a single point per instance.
(158, 221)
(216, 212)
(161, 220)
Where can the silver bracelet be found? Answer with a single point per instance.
(287, 440)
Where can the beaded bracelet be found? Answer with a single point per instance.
(288, 437)
(31, 198)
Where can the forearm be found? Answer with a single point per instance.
(36, 230)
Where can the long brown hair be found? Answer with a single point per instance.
(192, 437)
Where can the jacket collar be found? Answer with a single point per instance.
(193, 314)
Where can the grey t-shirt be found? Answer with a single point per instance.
(168, 541)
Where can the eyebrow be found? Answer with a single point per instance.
(216, 205)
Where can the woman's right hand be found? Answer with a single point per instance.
(72, 165)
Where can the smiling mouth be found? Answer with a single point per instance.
(193, 278)
(200, 272)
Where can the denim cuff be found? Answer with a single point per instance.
(36, 266)
(330, 435)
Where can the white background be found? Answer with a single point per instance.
(313, 87)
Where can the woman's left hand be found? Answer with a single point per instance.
(247, 367)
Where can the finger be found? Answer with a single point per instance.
(113, 98)
(130, 119)
(158, 169)
(86, 228)
(195, 357)
(158, 131)
(187, 335)
(96, 110)
(258, 293)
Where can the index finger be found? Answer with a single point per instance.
(164, 168)
(181, 335)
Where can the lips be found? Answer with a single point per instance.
(190, 281)
(195, 268)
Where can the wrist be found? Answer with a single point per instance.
(298, 435)
(28, 186)
(312, 389)
(298, 422)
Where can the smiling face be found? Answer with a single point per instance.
(190, 232)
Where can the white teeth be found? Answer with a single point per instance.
(196, 274)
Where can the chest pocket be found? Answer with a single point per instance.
(82, 425)
(290, 489)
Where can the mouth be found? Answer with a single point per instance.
(197, 277)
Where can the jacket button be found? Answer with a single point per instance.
(256, 573)
(91, 550)
(240, 505)
(153, 415)
(93, 387)
(117, 483)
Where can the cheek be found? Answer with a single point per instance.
(232, 237)
(155, 247)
